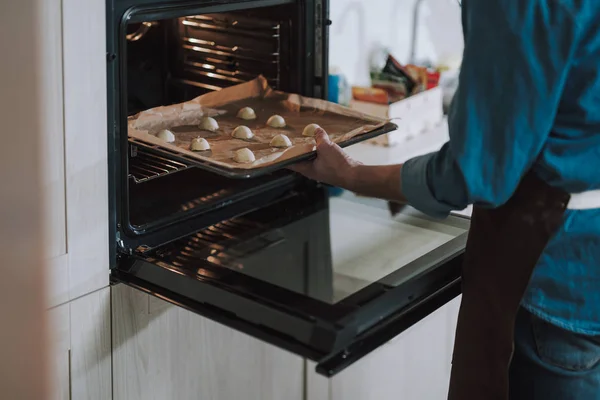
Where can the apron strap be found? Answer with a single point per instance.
(503, 247)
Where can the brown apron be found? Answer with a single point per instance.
(503, 247)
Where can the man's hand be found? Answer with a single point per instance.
(332, 165)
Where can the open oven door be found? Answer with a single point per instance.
(328, 279)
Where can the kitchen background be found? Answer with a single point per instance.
(361, 26)
(416, 364)
(118, 343)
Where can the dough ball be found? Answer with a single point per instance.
(276, 121)
(281, 141)
(199, 144)
(208, 124)
(242, 132)
(246, 113)
(166, 135)
(244, 156)
(310, 129)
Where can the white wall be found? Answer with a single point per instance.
(360, 25)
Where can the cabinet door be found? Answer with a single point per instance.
(53, 153)
(60, 348)
(80, 356)
(84, 65)
(53, 166)
(74, 156)
(414, 365)
(165, 352)
(90, 346)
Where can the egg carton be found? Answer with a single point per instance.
(414, 116)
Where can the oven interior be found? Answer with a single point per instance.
(174, 60)
(171, 60)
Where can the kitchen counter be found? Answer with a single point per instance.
(422, 144)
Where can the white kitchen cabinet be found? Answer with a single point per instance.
(74, 150)
(91, 376)
(318, 387)
(59, 319)
(162, 351)
(84, 67)
(413, 366)
(53, 152)
(80, 350)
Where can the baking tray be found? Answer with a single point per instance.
(344, 125)
(238, 173)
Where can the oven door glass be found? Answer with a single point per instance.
(330, 279)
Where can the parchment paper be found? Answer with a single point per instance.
(341, 123)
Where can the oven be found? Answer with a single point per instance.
(272, 256)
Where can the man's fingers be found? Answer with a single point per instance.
(321, 137)
(306, 168)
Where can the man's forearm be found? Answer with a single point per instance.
(382, 181)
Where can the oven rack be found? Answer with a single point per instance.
(145, 165)
(237, 24)
(229, 52)
(223, 50)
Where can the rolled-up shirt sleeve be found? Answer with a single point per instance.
(515, 66)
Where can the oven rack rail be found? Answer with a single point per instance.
(145, 165)
(237, 25)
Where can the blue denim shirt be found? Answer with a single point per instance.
(528, 98)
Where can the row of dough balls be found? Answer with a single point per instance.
(275, 121)
(244, 133)
(245, 155)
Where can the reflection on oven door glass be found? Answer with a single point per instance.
(282, 246)
(368, 243)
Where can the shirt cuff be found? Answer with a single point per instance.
(415, 187)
